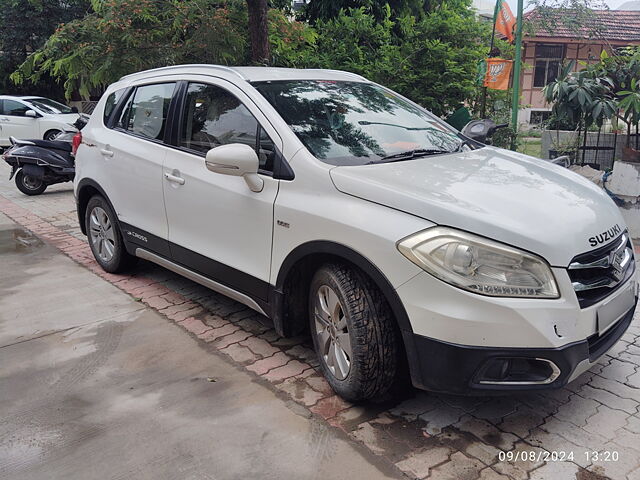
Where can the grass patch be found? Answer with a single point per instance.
(531, 146)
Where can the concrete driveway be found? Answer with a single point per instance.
(95, 385)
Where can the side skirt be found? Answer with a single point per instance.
(202, 280)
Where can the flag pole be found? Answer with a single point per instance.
(483, 103)
(516, 74)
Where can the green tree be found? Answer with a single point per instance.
(125, 36)
(26, 26)
(432, 60)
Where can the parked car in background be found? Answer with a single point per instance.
(33, 117)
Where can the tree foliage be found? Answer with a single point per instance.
(432, 60)
(431, 57)
(26, 26)
(124, 36)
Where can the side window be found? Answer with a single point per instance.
(145, 113)
(13, 108)
(110, 104)
(215, 117)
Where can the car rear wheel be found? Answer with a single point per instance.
(353, 333)
(105, 238)
(30, 185)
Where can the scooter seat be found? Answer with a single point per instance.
(52, 144)
(66, 146)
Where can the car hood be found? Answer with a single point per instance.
(525, 202)
(62, 117)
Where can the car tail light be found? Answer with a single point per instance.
(75, 143)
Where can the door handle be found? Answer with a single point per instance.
(106, 153)
(174, 179)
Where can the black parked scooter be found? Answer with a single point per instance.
(37, 164)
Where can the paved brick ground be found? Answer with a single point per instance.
(425, 435)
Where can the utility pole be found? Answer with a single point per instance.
(516, 74)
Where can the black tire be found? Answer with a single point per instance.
(29, 185)
(51, 134)
(120, 260)
(374, 338)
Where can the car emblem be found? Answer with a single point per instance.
(616, 263)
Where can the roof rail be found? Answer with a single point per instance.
(343, 72)
(176, 67)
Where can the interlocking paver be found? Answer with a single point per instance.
(459, 467)
(440, 418)
(291, 369)
(606, 422)
(300, 391)
(419, 464)
(260, 347)
(263, 366)
(524, 459)
(239, 353)
(618, 370)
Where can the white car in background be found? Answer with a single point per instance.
(33, 117)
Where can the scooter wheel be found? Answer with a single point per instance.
(29, 185)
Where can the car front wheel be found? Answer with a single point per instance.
(353, 333)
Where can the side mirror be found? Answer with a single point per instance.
(236, 159)
(75, 110)
(31, 114)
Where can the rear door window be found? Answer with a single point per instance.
(145, 113)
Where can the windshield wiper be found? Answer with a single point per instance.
(409, 154)
(367, 122)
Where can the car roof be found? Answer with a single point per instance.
(250, 74)
(21, 97)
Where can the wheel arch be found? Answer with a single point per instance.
(294, 277)
(86, 189)
(49, 130)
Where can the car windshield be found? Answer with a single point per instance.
(49, 106)
(355, 123)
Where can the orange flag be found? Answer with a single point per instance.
(498, 73)
(505, 20)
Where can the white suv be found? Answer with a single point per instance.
(332, 204)
(33, 117)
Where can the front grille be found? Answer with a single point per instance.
(598, 273)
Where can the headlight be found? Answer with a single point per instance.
(478, 264)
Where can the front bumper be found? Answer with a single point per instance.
(451, 368)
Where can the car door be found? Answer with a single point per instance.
(217, 225)
(132, 151)
(14, 122)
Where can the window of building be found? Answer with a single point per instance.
(538, 117)
(549, 60)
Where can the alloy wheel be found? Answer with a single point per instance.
(332, 332)
(101, 234)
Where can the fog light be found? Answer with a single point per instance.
(518, 371)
